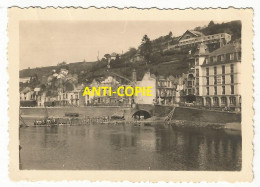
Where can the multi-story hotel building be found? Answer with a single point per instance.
(217, 76)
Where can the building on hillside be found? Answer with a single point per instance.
(217, 77)
(24, 79)
(27, 94)
(137, 58)
(104, 98)
(63, 71)
(72, 98)
(41, 99)
(114, 55)
(191, 38)
(27, 98)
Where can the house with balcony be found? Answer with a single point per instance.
(166, 89)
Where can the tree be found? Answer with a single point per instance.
(107, 56)
(211, 23)
(197, 28)
(132, 51)
(169, 36)
(146, 48)
(117, 57)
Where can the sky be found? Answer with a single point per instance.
(46, 43)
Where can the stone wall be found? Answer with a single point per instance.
(190, 114)
(60, 111)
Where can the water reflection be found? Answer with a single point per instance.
(129, 147)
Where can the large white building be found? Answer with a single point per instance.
(217, 76)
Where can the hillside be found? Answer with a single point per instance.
(233, 28)
(163, 62)
(75, 67)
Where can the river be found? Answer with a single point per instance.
(129, 147)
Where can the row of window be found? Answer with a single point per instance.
(232, 90)
(202, 38)
(232, 101)
(224, 57)
(165, 83)
(65, 96)
(222, 81)
(223, 68)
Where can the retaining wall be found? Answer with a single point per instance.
(190, 114)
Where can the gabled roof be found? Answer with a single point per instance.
(194, 33)
(226, 49)
(201, 50)
(26, 90)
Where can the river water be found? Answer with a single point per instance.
(129, 147)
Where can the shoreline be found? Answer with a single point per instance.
(234, 126)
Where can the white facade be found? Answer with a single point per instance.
(147, 81)
(217, 78)
(221, 37)
(25, 79)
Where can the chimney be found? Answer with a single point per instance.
(134, 75)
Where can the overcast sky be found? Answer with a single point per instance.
(46, 43)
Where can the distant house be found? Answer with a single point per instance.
(137, 58)
(72, 98)
(113, 56)
(24, 79)
(27, 94)
(64, 71)
(27, 97)
(41, 98)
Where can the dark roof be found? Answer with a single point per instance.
(228, 48)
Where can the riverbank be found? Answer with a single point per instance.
(195, 124)
(182, 116)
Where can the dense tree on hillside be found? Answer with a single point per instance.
(233, 28)
(132, 51)
(129, 54)
(146, 48)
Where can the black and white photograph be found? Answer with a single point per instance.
(132, 94)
